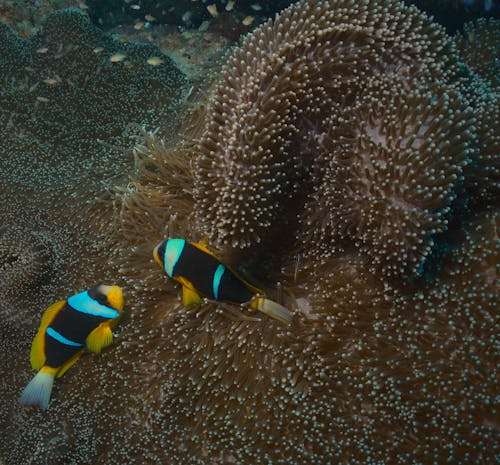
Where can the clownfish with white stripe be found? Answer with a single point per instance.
(201, 273)
(84, 320)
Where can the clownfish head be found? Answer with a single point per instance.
(112, 295)
(167, 253)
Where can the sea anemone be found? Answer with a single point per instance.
(291, 81)
(373, 368)
(26, 259)
(479, 47)
(395, 158)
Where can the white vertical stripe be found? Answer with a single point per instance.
(173, 251)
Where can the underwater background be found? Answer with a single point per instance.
(343, 155)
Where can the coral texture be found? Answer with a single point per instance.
(453, 14)
(374, 368)
(25, 17)
(395, 158)
(184, 13)
(479, 48)
(65, 114)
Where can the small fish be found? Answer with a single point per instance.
(139, 25)
(42, 50)
(82, 321)
(50, 81)
(204, 26)
(155, 61)
(248, 20)
(135, 7)
(297, 267)
(230, 5)
(98, 49)
(201, 273)
(212, 9)
(150, 18)
(117, 57)
(471, 37)
(43, 99)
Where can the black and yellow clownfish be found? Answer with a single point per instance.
(201, 273)
(84, 320)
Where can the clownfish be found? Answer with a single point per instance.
(84, 320)
(201, 273)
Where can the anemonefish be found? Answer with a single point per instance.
(201, 273)
(84, 320)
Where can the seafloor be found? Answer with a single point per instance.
(342, 155)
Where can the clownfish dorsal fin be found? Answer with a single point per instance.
(99, 338)
(64, 368)
(202, 245)
(37, 354)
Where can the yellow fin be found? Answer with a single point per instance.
(99, 338)
(37, 354)
(69, 364)
(271, 308)
(190, 297)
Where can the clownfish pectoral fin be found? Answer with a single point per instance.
(99, 338)
(190, 297)
(37, 354)
(271, 308)
(38, 390)
(64, 368)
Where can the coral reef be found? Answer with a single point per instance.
(25, 16)
(66, 136)
(323, 121)
(453, 14)
(184, 13)
(24, 265)
(65, 122)
(479, 47)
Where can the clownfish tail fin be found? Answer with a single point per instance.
(38, 390)
(271, 308)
